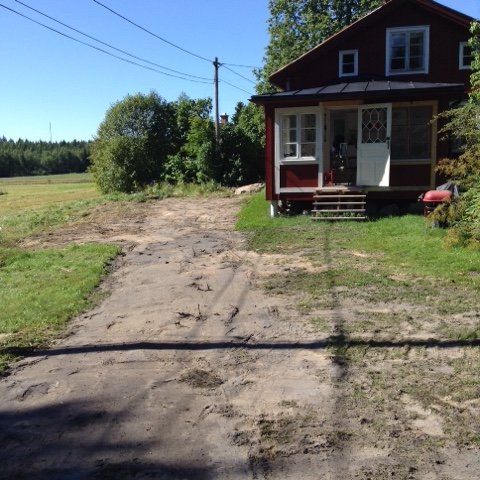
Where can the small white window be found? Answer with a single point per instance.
(465, 56)
(407, 50)
(348, 63)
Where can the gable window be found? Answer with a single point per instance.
(348, 63)
(298, 136)
(465, 56)
(407, 50)
(411, 133)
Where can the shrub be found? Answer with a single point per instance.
(133, 143)
(465, 220)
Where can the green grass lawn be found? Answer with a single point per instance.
(390, 260)
(407, 244)
(40, 290)
(395, 307)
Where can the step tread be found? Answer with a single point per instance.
(339, 203)
(340, 210)
(339, 196)
(338, 218)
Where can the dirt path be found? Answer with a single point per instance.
(186, 371)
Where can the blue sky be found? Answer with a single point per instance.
(49, 80)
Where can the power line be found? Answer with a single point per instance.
(238, 74)
(194, 78)
(111, 46)
(167, 41)
(101, 49)
(234, 86)
(241, 66)
(153, 34)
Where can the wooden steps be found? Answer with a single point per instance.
(339, 204)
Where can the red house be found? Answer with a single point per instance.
(354, 112)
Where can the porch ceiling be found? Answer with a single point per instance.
(360, 90)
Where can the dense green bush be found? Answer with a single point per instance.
(463, 214)
(194, 162)
(237, 159)
(145, 139)
(133, 143)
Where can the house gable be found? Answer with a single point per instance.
(444, 31)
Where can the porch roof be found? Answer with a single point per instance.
(361, 90)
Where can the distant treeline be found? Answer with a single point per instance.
(23, 157)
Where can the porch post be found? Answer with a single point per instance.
(273, 208)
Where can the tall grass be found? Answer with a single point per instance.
(159, 191)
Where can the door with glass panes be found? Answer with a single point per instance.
(373, 152)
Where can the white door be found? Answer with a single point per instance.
(373, 154)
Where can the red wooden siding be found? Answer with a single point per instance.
(321, 67)
(298, 176)
(409, 175)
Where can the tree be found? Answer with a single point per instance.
(296, 26)
(195, 160)
(249, 122)
(188, 109)
(25, 157)
(133, 142)
(463, 124)
(194, 155)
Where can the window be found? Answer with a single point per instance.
(465, 56)
(348, 63)
(298, 136)
(411, 133)
(407, 50)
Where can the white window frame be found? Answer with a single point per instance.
(341, 55)
(425, 29)
(461, 56)
(279, 112)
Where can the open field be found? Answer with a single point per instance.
(19, 193)
(44, 279)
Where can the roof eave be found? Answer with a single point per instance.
(398, 94)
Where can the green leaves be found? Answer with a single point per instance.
(463, 123)
(133, 143)
(145, 139)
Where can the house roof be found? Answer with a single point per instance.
(371, 18)
(350, 90)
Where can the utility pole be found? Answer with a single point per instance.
(216, 64)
